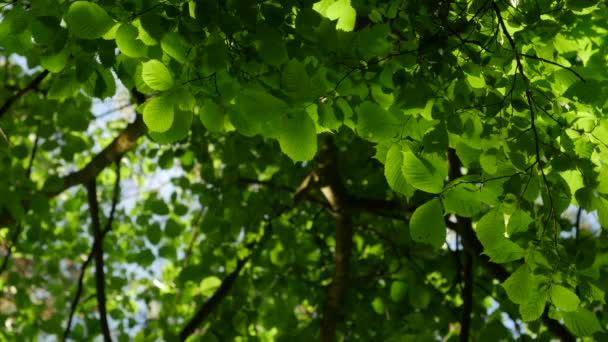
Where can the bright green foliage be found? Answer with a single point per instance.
(521, 285)
(582, 323)
(87, 20)
(156, 75)
(159, 113)
(128, 43)
(424, 172)
(427, 225)
(563, 298)
(297, 136)
(491, 232)
(392, 171)
(301, 170)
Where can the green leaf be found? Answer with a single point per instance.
(298, 136)
(154, 234)
(427, 224)
(294, 80)
(172, 45)
(158, 113)
(398, 291)
(172, 228)
(394, 174)
(534, 308)
(463, 200)
(127, 42)
(582, 322)
(88, 20)
(57, 62)
(491, 233)
(488, 161)
(256, 112)
(376, 124)
(521, 285)
(212, 116)
(270, 45)
(182, 120)
(518, 222)
(209, 285)
(344, 13)
(564, 299)
(422, 174)
(156, 75)
(378, 305)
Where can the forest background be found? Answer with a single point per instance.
(291, 169)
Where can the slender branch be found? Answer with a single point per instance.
(530, 101)
(115, 198)
(93, 251)
(32, 85)
(98, 255)
(554, 63)
(30, 164)
(577, 227)
(113, 110)
(213, 301)
(121, 144)
(125, 141)
(227, 284)
(76, 298)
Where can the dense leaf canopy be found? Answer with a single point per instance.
(400, 170)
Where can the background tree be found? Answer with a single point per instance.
(334, 170)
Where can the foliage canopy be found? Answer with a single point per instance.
(335, 170)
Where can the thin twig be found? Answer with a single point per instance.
(520, 68)
(227, 284)
(577, 227)
(554, 63)
(98, 255)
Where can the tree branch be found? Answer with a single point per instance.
(528, 94)
(227, 284)
(213, 301)
(467, 265)
(126, 140)
(98, 254)
(326, 177)
(32, 85)
(93, 251)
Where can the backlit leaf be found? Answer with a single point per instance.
(563, 298)
(158, 114)
(87, 20)
(298, 136)
(427, 224)
(156, 75)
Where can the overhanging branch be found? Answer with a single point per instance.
(98, 255)
(227, 284)
(85, 264)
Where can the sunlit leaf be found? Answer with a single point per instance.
(427, 225)
(88, 20)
